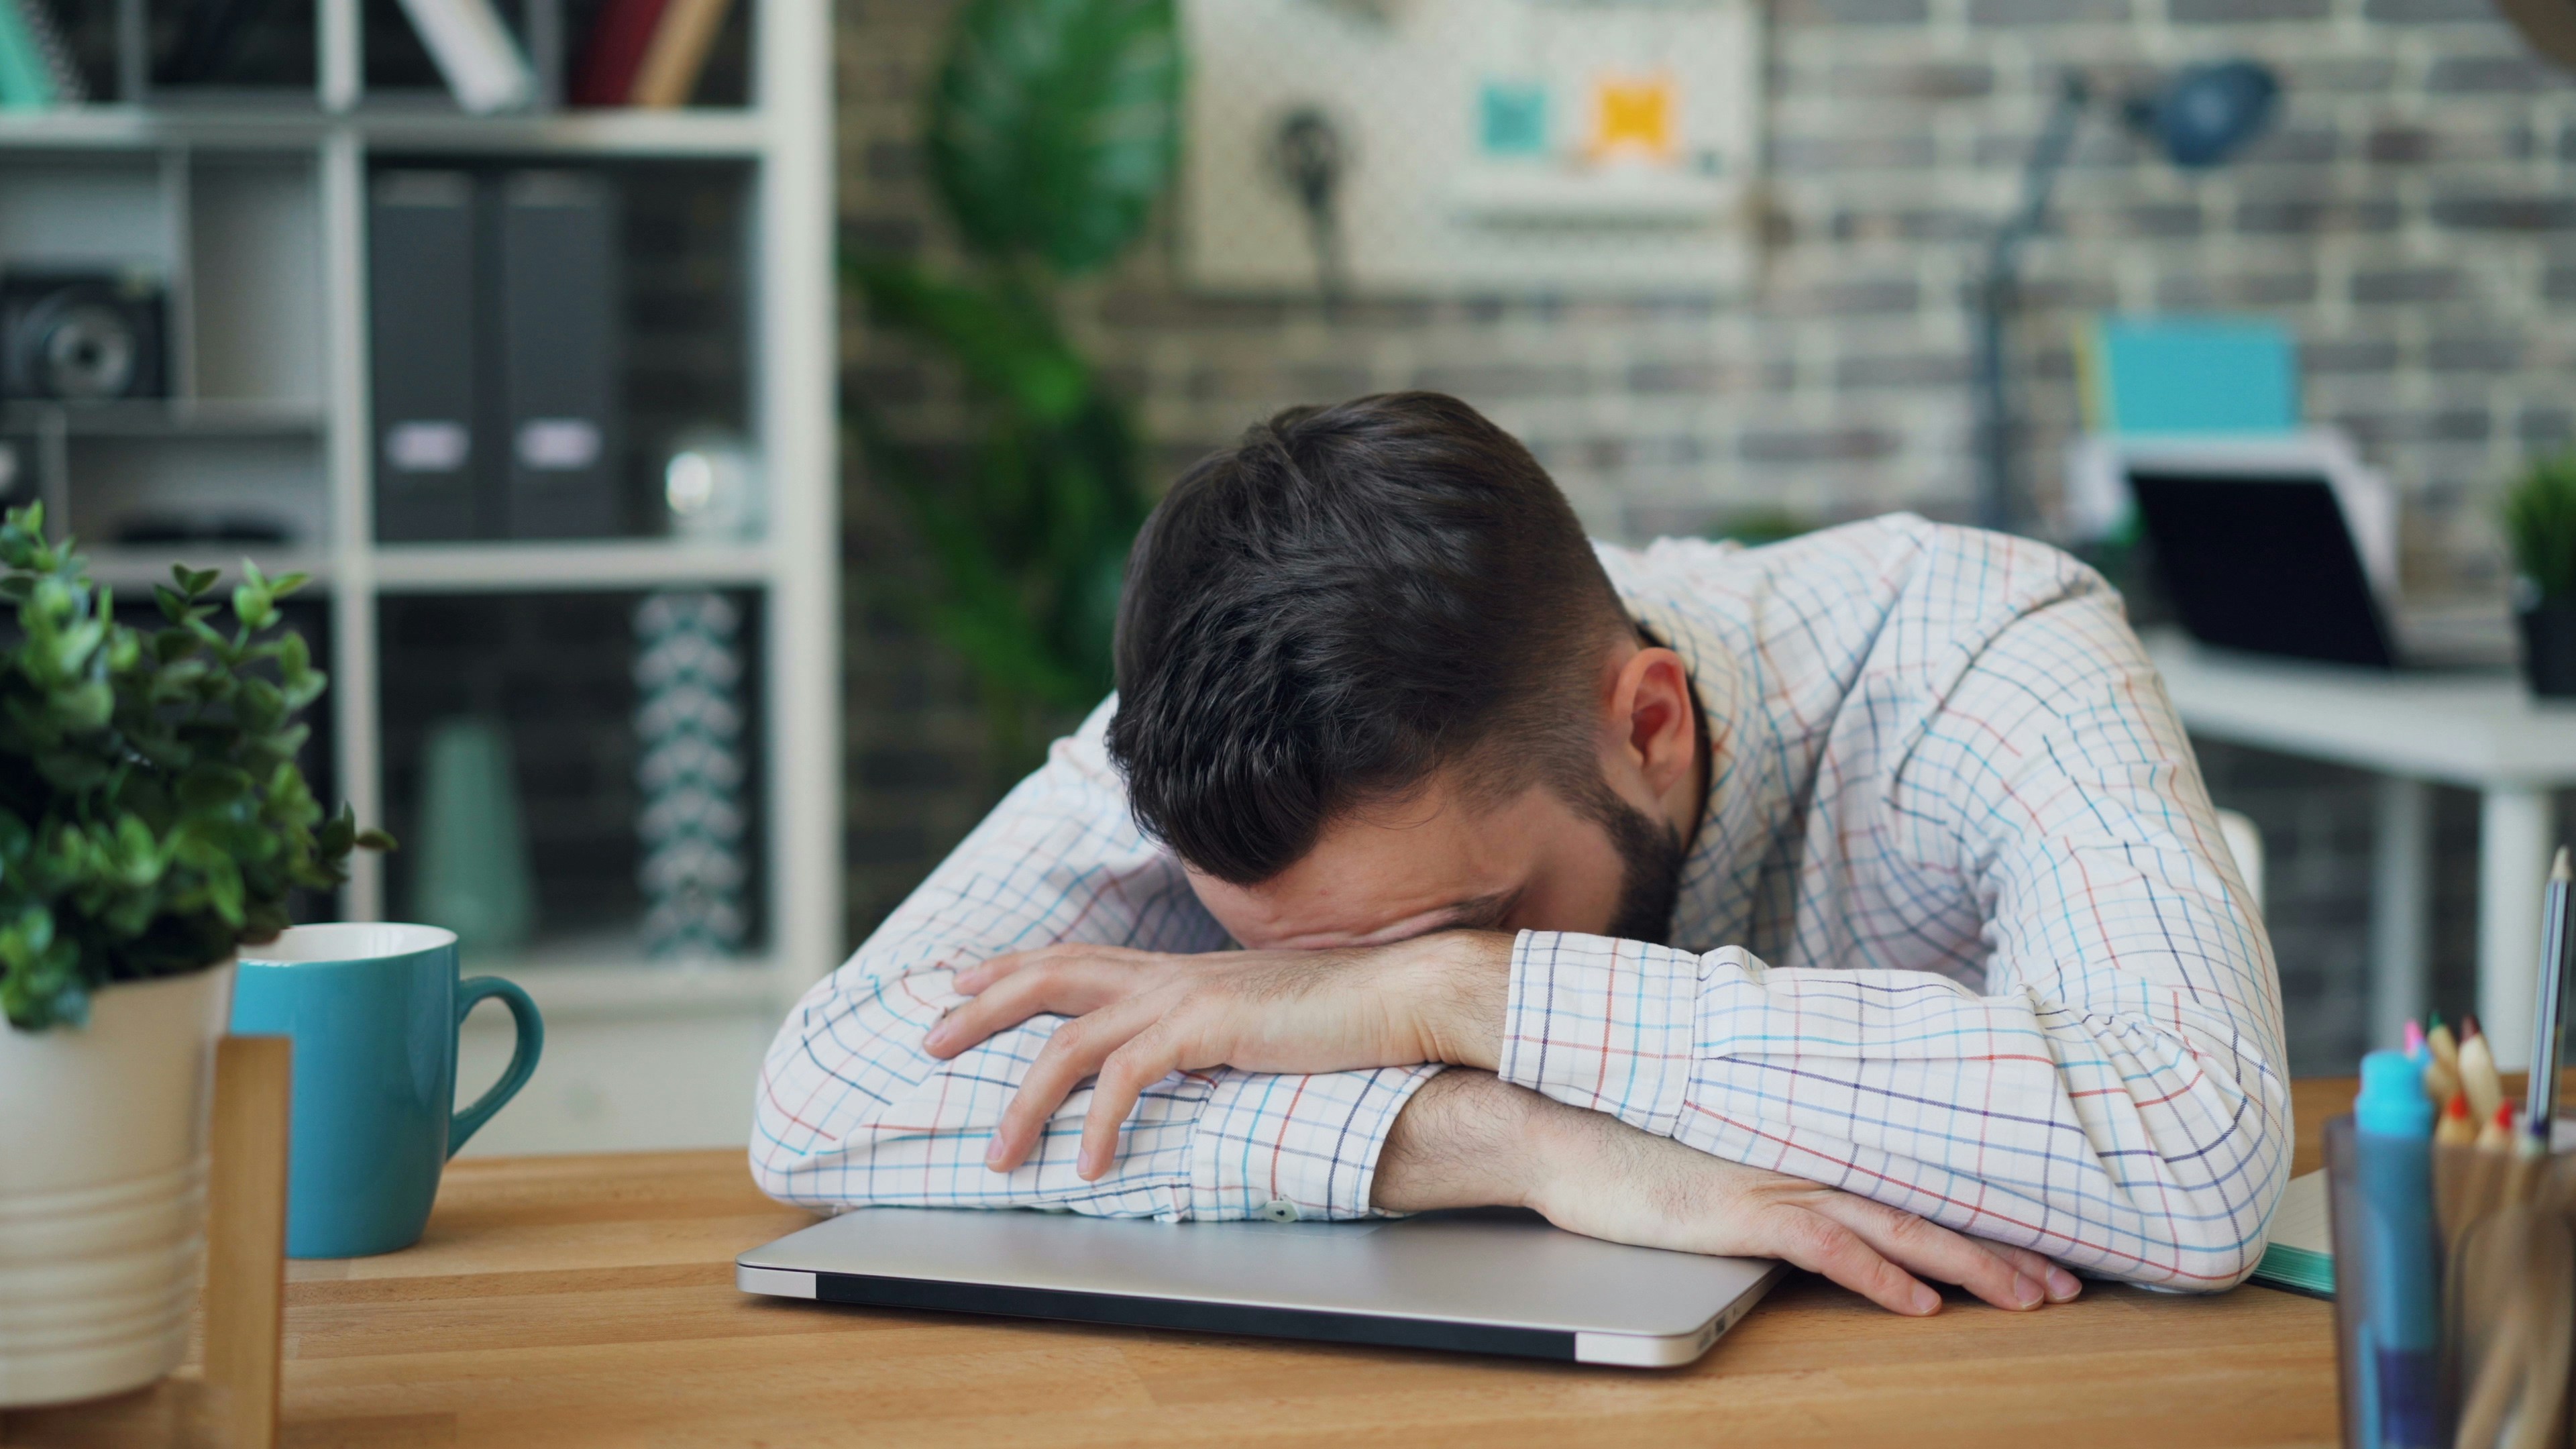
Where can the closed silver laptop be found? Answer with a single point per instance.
(1482, 1281)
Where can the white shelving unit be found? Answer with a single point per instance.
(263, 206)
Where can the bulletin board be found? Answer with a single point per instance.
(1483, 145)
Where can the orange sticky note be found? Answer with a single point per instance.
(1633, 116)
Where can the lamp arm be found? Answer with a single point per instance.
(2039, 178)
(1996, 495)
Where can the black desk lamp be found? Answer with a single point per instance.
(2197, 119)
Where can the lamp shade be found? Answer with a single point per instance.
(2206, 112)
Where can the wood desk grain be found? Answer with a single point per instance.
(568, 1301)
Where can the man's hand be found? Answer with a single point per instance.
(1140, 1016)
(1467, 1140)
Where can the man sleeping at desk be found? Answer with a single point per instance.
(1854, 901)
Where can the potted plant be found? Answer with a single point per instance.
(2540, 526)
(152, 818)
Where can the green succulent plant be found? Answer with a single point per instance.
(152, 816)
(1053, 127)
(2540, 525)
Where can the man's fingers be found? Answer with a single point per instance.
(2059, 1284)
(1819, 1244)
(983, 974)
(1935, 1252)
(1066, 988)
(975, 978)
(1124, 1074)
(1074, 1052)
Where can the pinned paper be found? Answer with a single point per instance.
(1512, 118)
(1635, 118)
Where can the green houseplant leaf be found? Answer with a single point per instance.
(1052, 131)
(2540, 525)
(152, 816)
(1054, 125)
(1008, 346)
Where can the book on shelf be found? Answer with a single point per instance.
(614, 51)
(37, 71)
(678, 54)
(476, 54)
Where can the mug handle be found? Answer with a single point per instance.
(523, 1056)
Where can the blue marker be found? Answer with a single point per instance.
(2393, 1145)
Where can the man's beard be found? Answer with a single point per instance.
(1650, 857)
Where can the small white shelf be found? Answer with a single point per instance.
(1544, 196)
(167, 418)
(134, 568)
(464, 568)
(713, 133)
(709, 132)
(604, 974)
(609, 564)
(624, 992)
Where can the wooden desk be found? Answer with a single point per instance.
(590, 1301)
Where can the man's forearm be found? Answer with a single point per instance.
(1466, 997)
(1464, 1140)
(1467, 1139)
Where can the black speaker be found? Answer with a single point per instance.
(82, 336)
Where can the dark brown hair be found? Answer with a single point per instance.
(1343, 602)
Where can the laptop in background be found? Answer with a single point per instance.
(2265, 560)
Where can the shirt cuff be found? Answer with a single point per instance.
(1266, 1143)
(1602, 1024)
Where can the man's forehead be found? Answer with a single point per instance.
(1274, 918)
(1398, 869)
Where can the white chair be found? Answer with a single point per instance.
(2246, 844)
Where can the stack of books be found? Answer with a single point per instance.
(639, 53)
(647, 53)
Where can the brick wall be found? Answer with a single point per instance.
(2412, 215)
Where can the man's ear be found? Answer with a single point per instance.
(1655, 718)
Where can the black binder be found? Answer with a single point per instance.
(556, 327)
(422, 302)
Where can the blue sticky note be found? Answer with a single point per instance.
(2195, 375)
(1512, 118)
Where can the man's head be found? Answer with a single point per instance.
(1373, 681)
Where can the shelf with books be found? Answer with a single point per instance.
(250, 224)
(493, 58)
(215, 58)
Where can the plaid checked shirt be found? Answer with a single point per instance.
(1957, 932)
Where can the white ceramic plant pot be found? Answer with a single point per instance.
(103, 1188)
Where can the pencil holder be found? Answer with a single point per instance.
(2499, 1254)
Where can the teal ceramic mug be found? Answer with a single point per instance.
(374, 1010)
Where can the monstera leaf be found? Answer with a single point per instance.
(1006, 345)
(1054, 126)
(1052, 130)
